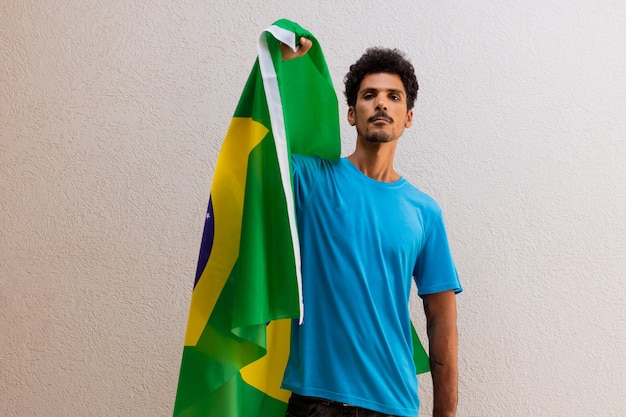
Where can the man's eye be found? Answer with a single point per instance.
(395, 97)
(368, 96)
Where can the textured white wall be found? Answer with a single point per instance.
(111, 118)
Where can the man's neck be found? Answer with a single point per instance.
(376, 161)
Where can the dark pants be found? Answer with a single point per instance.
(301, 406)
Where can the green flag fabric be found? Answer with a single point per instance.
(248, 284)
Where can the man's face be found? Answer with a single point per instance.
(380, 113)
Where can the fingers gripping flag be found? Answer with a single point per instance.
(247, 286)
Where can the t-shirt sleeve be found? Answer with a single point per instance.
(435, 270)
(304, 171)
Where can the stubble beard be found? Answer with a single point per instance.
(378, 136)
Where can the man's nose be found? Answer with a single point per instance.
(381, 105)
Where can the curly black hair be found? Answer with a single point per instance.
(375, 60)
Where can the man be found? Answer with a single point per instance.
(365, 232)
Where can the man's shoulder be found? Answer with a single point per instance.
(300, 157)
(420, 198)
(309, 162)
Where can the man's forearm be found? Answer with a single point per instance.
(443, 349)
(444, 371)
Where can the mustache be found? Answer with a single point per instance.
(381, 115)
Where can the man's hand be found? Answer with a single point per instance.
(288, 53)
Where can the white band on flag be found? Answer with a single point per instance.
(274, 104)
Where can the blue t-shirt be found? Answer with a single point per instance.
(361, 242)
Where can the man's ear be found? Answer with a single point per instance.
(351, 116)
(409, 119)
